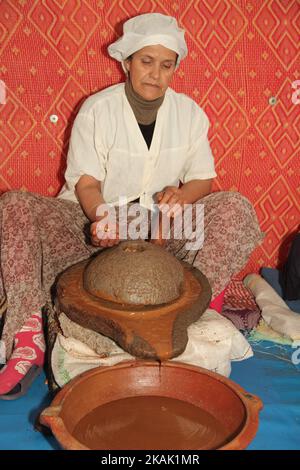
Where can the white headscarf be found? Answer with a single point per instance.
(148, 30)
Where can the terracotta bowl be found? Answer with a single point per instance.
(236, 410)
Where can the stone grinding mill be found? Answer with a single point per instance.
(139, 295)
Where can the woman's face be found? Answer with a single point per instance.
(151, 70)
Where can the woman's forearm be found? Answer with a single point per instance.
(88, 191)
(195, 189)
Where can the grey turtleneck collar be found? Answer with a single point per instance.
(144, 111)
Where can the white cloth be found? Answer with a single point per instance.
(274, 310)
(148, 30)
(106, 143)
(213, 343)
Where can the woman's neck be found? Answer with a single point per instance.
(145, 111)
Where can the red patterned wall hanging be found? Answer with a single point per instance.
(243, 69)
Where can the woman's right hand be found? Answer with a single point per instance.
(103, 231)
(104, 236)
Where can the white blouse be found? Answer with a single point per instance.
(107, 143)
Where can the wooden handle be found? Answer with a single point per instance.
(159, 238)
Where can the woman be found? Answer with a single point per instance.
(137, 140)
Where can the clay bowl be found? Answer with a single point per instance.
(230, 407)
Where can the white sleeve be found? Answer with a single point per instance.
(83, 156)
(200, 161)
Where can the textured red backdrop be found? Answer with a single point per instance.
(243, 60)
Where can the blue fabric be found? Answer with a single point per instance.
(272, 277)
(270, 374)
(17, 419)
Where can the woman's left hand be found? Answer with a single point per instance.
(170, 200)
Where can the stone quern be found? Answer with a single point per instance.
(139, 295)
